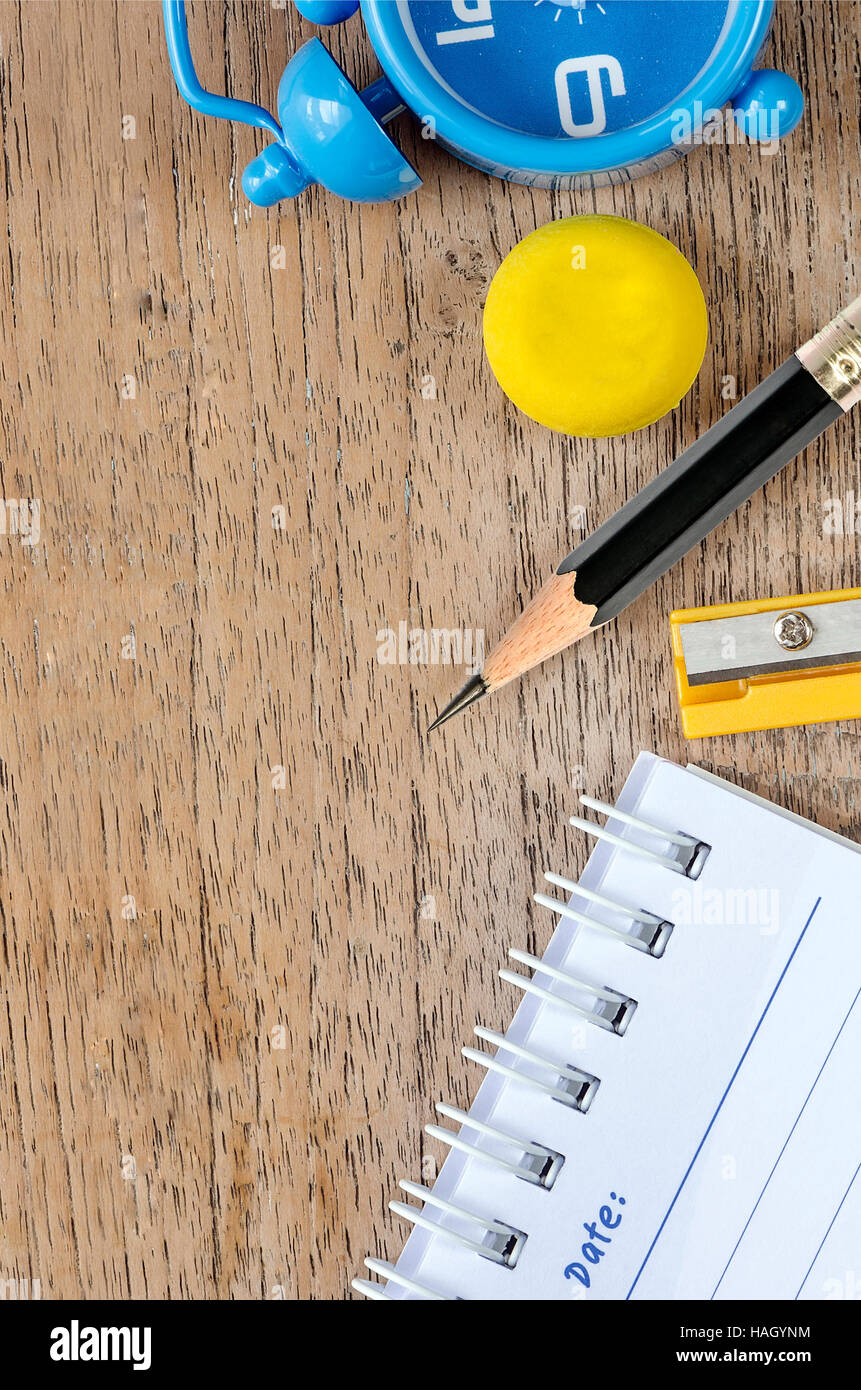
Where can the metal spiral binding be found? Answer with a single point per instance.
(604, 1007)
(388, 1272)
(572, 1087)
(559, 1081)
(687, 856)
(649, 933)
(500, 1243)
(537, 1165)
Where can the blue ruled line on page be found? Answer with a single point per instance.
(783, 1150)
(828, 1232)
(722, 1099)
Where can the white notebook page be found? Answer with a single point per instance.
(727, 1116)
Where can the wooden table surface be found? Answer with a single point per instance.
(249, 913)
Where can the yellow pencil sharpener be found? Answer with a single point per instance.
(768, 664)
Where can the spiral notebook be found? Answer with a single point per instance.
(674, 1110)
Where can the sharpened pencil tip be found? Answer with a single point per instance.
(475, 687)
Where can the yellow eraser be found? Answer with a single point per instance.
(595, 325)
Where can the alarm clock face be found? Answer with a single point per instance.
(560, 68)
(544, 90)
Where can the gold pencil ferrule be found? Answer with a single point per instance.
(833, 356)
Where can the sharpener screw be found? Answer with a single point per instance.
(793, 631)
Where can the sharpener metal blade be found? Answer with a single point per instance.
(726, 649)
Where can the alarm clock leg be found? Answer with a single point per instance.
(768, 106)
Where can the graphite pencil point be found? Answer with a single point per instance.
(475, 687)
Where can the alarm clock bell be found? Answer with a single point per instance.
(328, 133)
(612, 91)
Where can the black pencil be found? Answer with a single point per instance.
(704, 485)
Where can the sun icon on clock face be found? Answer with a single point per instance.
(579, 5)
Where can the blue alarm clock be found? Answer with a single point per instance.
(554, 93)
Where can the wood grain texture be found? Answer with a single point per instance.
(156, 1139)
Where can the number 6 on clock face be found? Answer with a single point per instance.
(593, 67)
